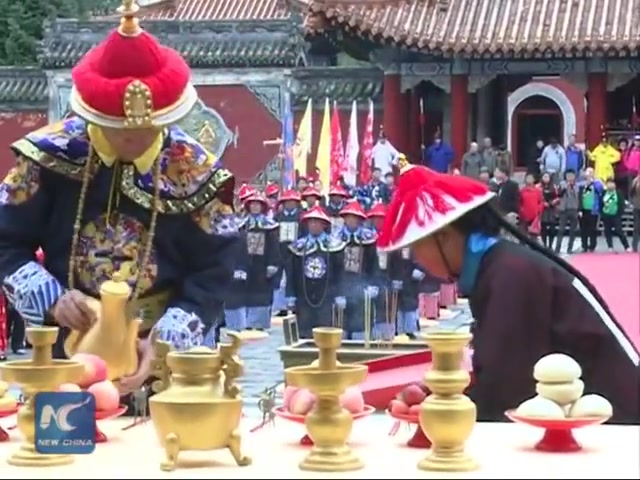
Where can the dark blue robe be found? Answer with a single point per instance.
(190, 257)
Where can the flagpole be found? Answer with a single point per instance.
(280, 157)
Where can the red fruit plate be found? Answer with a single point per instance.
(419, 439)
(4, 436)
(293, 417)
(107, 415)
(558, 432)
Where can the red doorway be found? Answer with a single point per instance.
(536, 118)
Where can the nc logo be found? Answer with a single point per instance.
(60, 416)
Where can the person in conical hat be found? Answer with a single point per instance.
(118, 187)
(313, 275)
(248, 307)
(359, 271)
(526, 301)
(288, 218)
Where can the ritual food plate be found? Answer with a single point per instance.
(558, 432)
(107, 415)
(4, 436)
(253, 335)
(281, 412)
(419, 439)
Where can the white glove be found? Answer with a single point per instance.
(396, 284)
(340, 302)
(372, 291)
(417, 275)
(271, 271)
(239, 275)
(291, 302)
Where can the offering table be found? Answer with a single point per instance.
(504, 450)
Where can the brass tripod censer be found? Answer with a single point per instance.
(447, 416)
(328, 424)
(198, 405)
(40, 374)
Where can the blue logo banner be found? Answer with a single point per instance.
(65, 423)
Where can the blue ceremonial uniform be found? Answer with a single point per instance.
(62, 193)
(359, 275)
(313, 279)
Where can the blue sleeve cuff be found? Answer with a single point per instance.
(32, 291)
(183, 330)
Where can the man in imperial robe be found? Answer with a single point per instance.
(118, 187)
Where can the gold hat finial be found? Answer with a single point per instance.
(129, 25)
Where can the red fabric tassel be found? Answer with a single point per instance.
(421, 186)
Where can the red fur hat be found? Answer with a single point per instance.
(353, 208)
(131, 81)
(426, 201)
(316, 213)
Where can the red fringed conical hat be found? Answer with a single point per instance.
(424, 202)
(378, 210)
(311, 192)
(131, 81)
(338, 190)
(290, 195)
(271, 189)
(256, 197)
(316, 213)
(353, 207)
(245, 192)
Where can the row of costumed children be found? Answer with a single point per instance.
(323, 264)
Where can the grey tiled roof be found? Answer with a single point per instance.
(342, 84)
(23, 86)
(202, 44)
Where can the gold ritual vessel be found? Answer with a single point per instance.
(447, 416)
(114, 335)
(40, 374)
(198, 405)
(328, 424)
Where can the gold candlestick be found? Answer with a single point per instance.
(328, 424)
(40, 374)
(447, 416)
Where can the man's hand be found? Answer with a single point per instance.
(130, 384)
(72, 310)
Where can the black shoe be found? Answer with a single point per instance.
(282, 313)
(3, 357)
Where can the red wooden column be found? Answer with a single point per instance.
(459, 115)
(596, 107)
(393, 104)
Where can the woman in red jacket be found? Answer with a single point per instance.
(531, 206)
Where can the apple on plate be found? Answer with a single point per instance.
(106, 395)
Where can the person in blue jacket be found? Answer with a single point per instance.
(439, 156)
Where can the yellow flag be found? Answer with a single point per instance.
(323, 157)
(302, 145)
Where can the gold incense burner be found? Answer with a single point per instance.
(447, 416)
(328, 424)
(40, 374)
(198, 405)
(114, 335)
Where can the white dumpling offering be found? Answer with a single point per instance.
(561, 393)
(556, 368)
(540, 407)
(591, 406)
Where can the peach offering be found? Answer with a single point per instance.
(106, 395)
(301, 401)
(95, 369)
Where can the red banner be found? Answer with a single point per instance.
(337, 147)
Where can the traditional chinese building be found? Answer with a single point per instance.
(512, 70)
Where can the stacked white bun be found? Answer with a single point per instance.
(560, 392)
